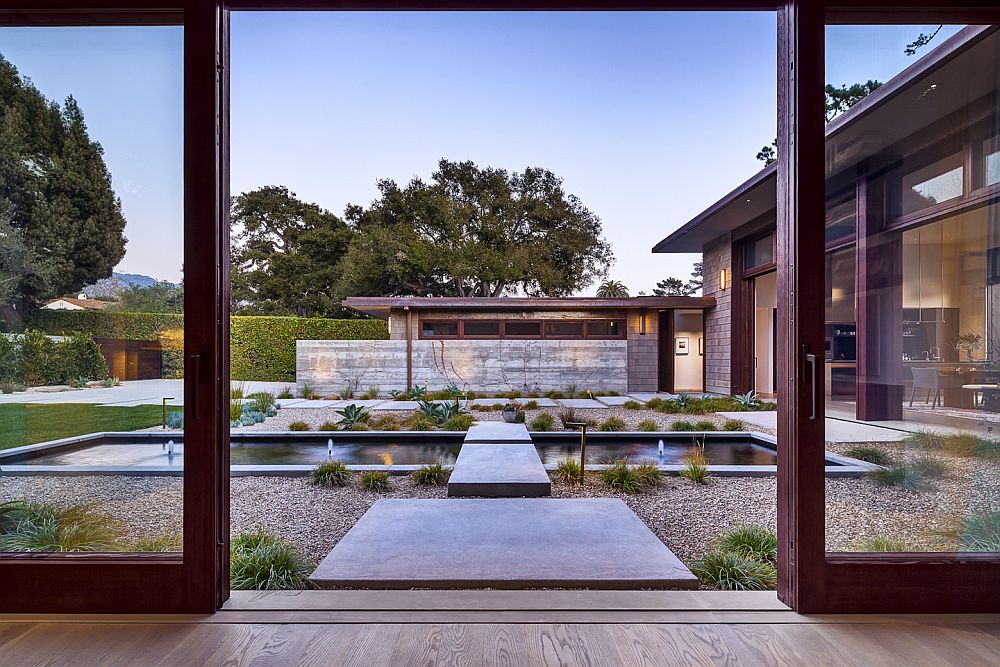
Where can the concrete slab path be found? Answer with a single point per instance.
(502, 543)
(582, 404)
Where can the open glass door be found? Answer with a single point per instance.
(895, 352)
(109, 290)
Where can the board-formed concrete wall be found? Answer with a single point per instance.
(473, 365)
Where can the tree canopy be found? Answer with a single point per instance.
(474, 231)
(612, 289)
(58, 209)
(677, 287)
(163, 297)
(286, 255)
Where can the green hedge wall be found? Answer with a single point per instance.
(261, 348)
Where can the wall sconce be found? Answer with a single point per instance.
(642, 321)
(722, 279)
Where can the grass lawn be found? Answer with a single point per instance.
(28, 423)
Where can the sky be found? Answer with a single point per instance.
(648, 117)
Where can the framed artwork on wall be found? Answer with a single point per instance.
(681, 345)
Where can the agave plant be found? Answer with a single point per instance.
(747, 401)
(353, 414)
(682, 399)
(416, 393)
(439, 412)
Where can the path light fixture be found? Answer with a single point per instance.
(165, 399)
(583, 447)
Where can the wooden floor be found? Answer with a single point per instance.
(500, 628)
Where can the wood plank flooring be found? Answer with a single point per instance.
(464, 628)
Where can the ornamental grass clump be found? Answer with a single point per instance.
(431, 474)
(725, 571)
(695, 469)
(682, 425)
(981, 532)
(461, 422)
(262, 401)
(924, 440)
(327, 426)
(734, 425)
(930, 467)
(377, 481)
(543, 422)
(331, 473)
(162, 543)
(612, 424)
(882, 544)
(647, 425)
(704, 425)
(632, 405)
(620, 476)
(262, 562)
(875, 455)
(568, 472)
(298, 426)
(906, 477)
(48, 527)
(419, 422)
(742, 559)
(384, 423)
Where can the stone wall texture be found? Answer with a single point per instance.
(718, 327)
(643, 351)
(474, 365)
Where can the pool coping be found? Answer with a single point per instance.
(845, 466)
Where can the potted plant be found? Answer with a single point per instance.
(968, 343)
(512, 413)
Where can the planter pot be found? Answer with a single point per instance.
(510, 417)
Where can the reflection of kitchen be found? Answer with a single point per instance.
(841, 330)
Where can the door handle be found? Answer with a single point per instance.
(195, 360)
(811, 361)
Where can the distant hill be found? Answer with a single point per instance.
(111, 287)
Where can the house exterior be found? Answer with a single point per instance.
(518, 344)
(912, 234)
(79, 302)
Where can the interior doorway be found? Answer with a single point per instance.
(681, 351)
(765, 345)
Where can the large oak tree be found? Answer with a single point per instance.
(56, 200)
(474, 232)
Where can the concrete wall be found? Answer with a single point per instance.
(476, 365)
(718, 329)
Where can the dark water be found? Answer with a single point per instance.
(309, 452)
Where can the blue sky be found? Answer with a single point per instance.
(649, 117)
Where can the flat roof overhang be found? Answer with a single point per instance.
(380, 306)
(948, 79)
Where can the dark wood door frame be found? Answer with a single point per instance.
(665, 351)
(810, 579)
(165, 583)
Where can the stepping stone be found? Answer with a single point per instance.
(361, 403)
(289, 402)
(614, 401)
(314, 404)
(542, 402)
(498, 433)
(502, 543)
(499, 471)
(582, 403)
(400, 406)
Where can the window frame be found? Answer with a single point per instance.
(439, 320)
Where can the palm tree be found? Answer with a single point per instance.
(612, 289)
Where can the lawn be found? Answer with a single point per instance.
(28, 423)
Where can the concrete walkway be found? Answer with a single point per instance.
(498, 460)
(502, 543)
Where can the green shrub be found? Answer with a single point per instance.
(930, 467)
(905, 477)
(47, 527)
(491, 407)
(632, 405)
(620, 476)
(308, 392)
(373, 480)
(696, 469)
(325, 426)
(331, 473)
(981, 532)
(371, 393)
(11, 368)
(79, 356)
(431, 474)
(649, 473)
(419, 422)
(567, 416)
(726, 571)
(875, 455)
(300, 426)
(162, 543)
(666, 407)
(961, 444)
(881, 543)
(235, 409)
(753, 541)
(682, 425)
(924, 440)
(237, 390)
(543, 422)
(385, 423)
(286, 392)
(462, 422)
(260, 561)
(568, 471)
(733, 425)
(704, 425)
(554, 394)
(262, 401)
(647, 425)
(38, 359)
(612, 424)
(654, 403)
(530, 405)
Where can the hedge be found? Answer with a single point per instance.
(261, 348)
